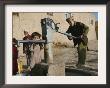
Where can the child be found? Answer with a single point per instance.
(26, 47)
(15, 56)
(36, 50)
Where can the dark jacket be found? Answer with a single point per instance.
(79, 29)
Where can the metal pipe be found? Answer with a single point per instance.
(31, 41)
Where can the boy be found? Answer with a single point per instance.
(35, 50)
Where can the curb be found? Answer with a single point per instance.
(81, 72)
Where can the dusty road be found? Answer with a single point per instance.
(70, 56)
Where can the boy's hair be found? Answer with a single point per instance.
(25, 32)
(35, 34)
(14, 41)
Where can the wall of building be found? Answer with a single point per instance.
(31, 23)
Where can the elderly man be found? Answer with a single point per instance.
(79, 31)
